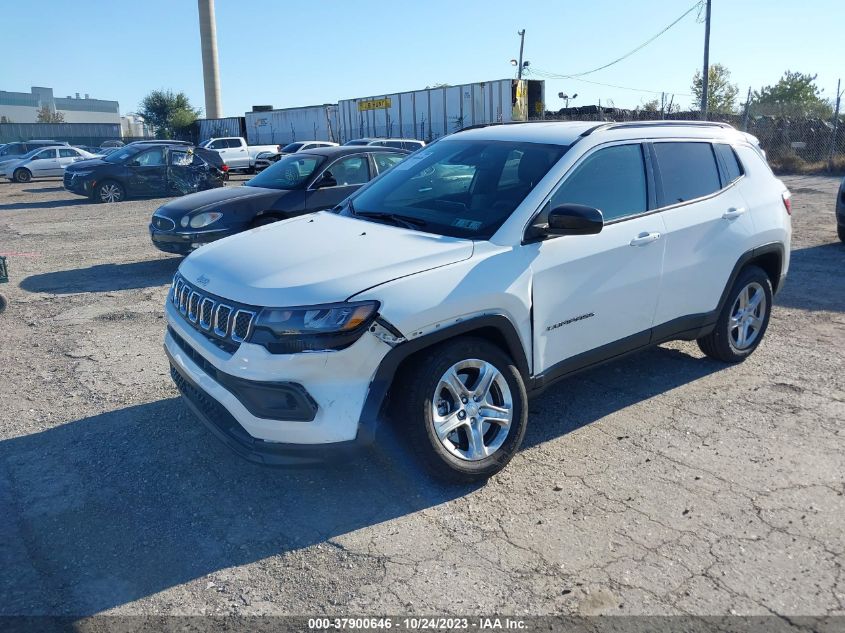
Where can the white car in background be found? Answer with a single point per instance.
(236, 153)
(410, 144)
(265, 159)
(42, 163)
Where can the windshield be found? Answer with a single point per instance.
(31, 153)
(460, 188)
(290, 172)
(122, 154)
(292, 148)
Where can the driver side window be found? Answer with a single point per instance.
(151, 157)
(611, 180)
(352, 170)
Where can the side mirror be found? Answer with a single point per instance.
(326, 181)
(133, 163)
(574, 219)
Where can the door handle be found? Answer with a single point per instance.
(645, 238)
(733, 213)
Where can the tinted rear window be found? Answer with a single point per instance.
(733, 169)
(688, 171)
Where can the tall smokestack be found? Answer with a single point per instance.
(210, 72)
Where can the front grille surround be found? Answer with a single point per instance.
(227, 324)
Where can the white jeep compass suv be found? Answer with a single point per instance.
(476, 272)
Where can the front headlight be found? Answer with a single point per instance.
(312, 328)
(200, 220)
(81, 174)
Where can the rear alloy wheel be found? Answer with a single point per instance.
(464, 407)
(109, 191)
(22, 175)
(743, 320)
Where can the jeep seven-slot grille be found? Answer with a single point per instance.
(226, 323)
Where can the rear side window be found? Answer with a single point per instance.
(611, 180)
(730, 163)
(68, 153)
(233, 143)
(687, 170)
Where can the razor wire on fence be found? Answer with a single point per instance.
(792, 143)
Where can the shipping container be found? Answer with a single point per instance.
(434, 112)
(215, 128)
(74, 133)
(310, 123)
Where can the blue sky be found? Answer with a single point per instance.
(290, 54)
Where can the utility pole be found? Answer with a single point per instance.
(747, 109)
(210, 71)
(835, 126)
(521, 45)
(705, 73)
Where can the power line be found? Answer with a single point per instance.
(550, 75)
(638, 48)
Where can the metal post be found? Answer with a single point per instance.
(210, 70)
(747, 110)
(705, 73)
(835, 126)
(521, 45)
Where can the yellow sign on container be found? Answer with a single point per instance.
(375, 104)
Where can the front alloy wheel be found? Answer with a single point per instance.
(110, 192)
(472, 409)
(463, 406)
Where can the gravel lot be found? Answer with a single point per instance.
(664, 484)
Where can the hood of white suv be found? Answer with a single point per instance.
(314, 259)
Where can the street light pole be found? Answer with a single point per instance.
(705, 73)
(521, 45)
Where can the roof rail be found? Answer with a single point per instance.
(611, 125)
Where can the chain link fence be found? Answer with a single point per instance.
(793, 144)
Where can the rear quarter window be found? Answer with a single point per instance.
(687, 171)
(730, 162)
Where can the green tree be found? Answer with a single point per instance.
(652, 105)
(46, 115)
(795, 94)
(721, 93)
(169, 114)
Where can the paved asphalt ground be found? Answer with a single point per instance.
(666, 483)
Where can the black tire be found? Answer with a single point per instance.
(22, 175)
(414, 406)
(840, 231)
(721, 344)
(109, 191)
(3, 303)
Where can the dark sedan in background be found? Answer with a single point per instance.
(297, 184)
(146, 170)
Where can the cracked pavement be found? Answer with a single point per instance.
(666, 483)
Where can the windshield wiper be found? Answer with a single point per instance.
(401, 220)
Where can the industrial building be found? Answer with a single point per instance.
(23, 107)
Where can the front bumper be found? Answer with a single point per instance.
(80, 186)
(336, 382)
(183, 243)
